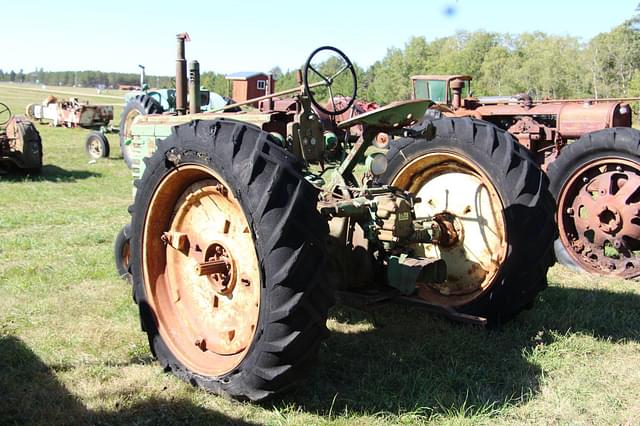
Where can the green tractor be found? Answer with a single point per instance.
(246, 227)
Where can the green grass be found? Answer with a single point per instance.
(71, 349)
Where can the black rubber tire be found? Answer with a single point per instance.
(145, 105)
(289, 235)
(32, 156)
(121, 250)
(523, 189)
(101, 140)
(618, 142)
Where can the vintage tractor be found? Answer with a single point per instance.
(75, 113)
(247, 225)
(595, 180)
(20, 143)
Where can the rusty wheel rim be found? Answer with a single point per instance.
(201, 270)
(449, 185)
(95, 148)
(598, 219)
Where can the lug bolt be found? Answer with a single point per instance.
(201, 343)
(570, 211)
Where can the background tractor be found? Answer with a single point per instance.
(20, 143)
(595, 181)
(245, 226)
(75, 113)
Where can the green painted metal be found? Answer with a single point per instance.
(392, 116)
(403, 272)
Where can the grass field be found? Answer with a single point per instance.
(71, 349)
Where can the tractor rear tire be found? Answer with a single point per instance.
(498, 196)
(121, 252)
(140, 105)
(96, 145)
(228, 185)
(598, 165)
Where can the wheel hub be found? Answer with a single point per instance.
(218, 268)
(469, 214)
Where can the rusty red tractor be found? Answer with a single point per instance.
(591, 155)
(20, 143)
(246, 226)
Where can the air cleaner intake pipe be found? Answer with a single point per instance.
(194, 87)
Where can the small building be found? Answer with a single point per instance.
(249, 84)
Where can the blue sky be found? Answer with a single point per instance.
(258, 35)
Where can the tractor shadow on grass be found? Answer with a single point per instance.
(412, 361)
(30, 393)
(48, 173)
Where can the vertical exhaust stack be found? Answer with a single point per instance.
(194, 87)
(456, 91)
(142, 77)
(181, 75)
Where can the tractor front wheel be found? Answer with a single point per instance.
(596, 183)
(489, 189)
(96, 145)
(227, 259)
(121, 252)
(140, 105)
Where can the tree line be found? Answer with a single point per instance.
(83, 78)
(540, 64)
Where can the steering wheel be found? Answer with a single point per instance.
(329, 80)
(4, 112)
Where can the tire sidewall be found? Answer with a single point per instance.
(135, 104)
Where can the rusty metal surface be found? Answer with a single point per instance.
(181, 74)
(597, 218)
(572, 120)
(20, 143)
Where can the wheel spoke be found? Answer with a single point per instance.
(628, 189)
(343, 69)
(333, 101)
(320, 75)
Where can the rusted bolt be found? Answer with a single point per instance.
(222, 189)
(617, 244)
(245, 280)
(201, 343)
(177, 240)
